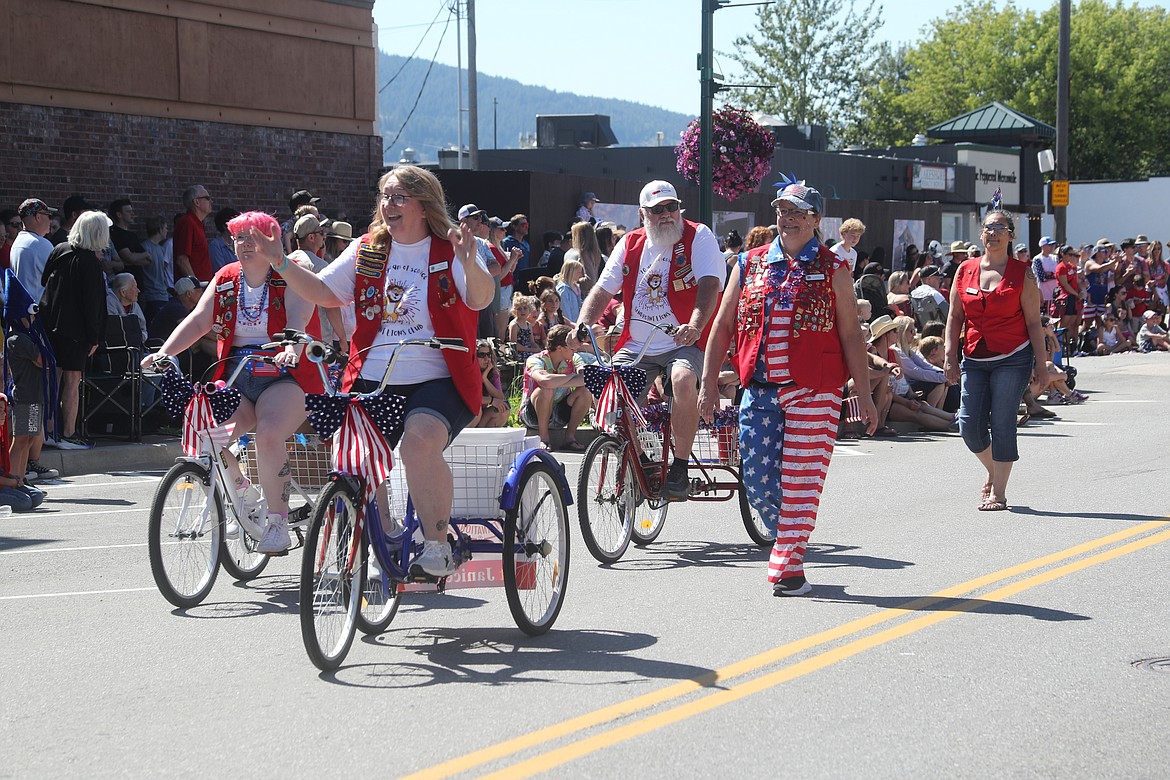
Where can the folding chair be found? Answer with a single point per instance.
(111, 387)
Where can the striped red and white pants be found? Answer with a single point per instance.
(786, 438)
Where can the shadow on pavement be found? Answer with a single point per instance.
(830, 556)
(12, 543)
(281, 594)
(661, 556)
(1027, 510)
(836, 594)
(505, 656)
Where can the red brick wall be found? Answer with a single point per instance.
(51, 153)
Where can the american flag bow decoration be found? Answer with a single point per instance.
(607, 384)
(361, 428)
(204, 409)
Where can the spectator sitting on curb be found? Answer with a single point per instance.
(1152, 336)
(494, 409)
(906, 405)
(554, 391)
(923, 377)
(1111, 340)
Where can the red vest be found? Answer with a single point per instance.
(450, 316)
(815, 357)
(682, 287)
(994, 318)
(226, 285)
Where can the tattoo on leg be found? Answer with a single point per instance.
(442, 525)
(287, 492)
(285, 470)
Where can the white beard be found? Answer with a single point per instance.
(665, 235)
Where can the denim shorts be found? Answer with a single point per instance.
(689, 356)
(991, 395)
(437, 397)
(249, 385)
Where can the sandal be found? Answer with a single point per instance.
(885, 430)
(572, 445)
(544, 445)
(991, 505)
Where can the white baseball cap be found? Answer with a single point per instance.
(657, 192)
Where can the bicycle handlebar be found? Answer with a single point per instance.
(666, 328)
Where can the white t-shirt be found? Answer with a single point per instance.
(404, 310)
(654, 274)
(848, 255)
(29, 253)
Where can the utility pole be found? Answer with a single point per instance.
(706, 108)
(459, 77)
(495, 125)
(1060, 213)
(472, 96)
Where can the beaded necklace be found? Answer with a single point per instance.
(786, 279)
(251, 314)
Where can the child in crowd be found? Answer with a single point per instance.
(541, 283)
(1058, 390)
(569, 288)
(14, 491)
(924, 378)
(525, 332)
(28, 410)
(1152, 336)
(550, 311)
(864, 310)
(1112, 340)
(494, 409)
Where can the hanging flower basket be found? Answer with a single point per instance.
(741, 153)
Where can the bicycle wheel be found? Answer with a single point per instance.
(607, 494)
(185, 535)
(752, 520)
(332, 573)
(536, 550)
(378, 608)
(648, 524)
(240, 559)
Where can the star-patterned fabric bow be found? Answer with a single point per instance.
(607, 385)
(204, 412)
(363, 428)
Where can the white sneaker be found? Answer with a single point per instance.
(276, 540)
(251, 502)
(232, 531)
(434, 560)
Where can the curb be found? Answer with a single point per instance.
(154, 452)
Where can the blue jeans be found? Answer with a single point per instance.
(992, 391)
(21, 499)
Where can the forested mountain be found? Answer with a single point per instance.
(432, 126)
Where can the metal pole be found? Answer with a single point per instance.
(472, 96)
(706, 106)
(495, 125)
(1062, 86)
(459, 77)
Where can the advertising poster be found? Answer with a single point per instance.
(906, 232)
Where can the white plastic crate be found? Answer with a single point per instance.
(480, 459)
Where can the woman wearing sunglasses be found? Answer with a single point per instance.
(494, 409)
(995, 312)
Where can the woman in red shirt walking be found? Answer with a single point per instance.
(995, 313)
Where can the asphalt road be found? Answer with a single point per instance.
(939, 641)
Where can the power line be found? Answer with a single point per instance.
(423, 86)
(416, 48)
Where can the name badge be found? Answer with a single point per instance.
(815, 277)
(972, 291)
(225, 287)
(443, 266)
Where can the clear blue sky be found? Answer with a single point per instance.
(597, 47)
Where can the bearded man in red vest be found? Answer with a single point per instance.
(413, 276)
(669, 272)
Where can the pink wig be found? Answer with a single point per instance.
(256, 220)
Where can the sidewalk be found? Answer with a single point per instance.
(112, 455)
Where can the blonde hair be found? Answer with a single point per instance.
(853, 225)
(904, 326)
(522, 301)
(567, 269)
(896, 278)
(928, 344)
(420, 185)
(585, 242)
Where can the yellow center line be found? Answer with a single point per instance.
(710, 679)
(627, 731)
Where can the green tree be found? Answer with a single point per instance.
(814, 52)
(981, 51)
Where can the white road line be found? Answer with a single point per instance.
(1096, 400)
(62, 512)
(54, 487)
(72, 549)
(74, 593)
(1071, 422)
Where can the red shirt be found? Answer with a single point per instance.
(1068, 272)
(191, 240)
(995, 320)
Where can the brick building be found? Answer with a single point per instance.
(254, 99)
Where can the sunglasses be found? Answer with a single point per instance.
(671, 206)
(483, 354)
